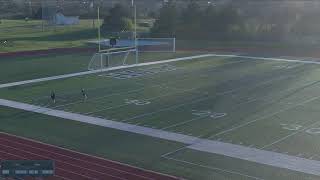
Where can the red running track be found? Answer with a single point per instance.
(71, 165)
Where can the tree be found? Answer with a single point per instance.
(166, 24)
(38, 13)
(191, 19)
(196, 22)
(118, 20)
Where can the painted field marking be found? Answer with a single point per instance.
(121, 93)
(186, 73)
(166, 108)
(213, 168)
(186, 78)
(292, 134)
(160, 85)
(128, 74)
(263, 117)
(137, 102)
(218, 94)
(184, 122)
(148, 99)
(235, 90)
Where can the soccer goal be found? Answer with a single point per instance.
(113, 58)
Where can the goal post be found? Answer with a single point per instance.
(112, 58)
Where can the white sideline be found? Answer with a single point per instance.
(231, 150)
(99, 71)
(265, 58)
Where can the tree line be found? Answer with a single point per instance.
(259, 21)
(196, 22)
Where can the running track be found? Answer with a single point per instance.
(71, 165)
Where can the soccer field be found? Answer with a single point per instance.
(257, 104)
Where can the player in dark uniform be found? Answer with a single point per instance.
(84, 94)
(53, 97)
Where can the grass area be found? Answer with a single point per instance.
(265, 48)
(267, 105)
(29, 35)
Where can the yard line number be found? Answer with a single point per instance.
(297, 127)
(204, 113)
(137, 102)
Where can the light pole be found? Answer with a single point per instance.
(135, 28)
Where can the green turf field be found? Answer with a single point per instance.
(268, 105)
(30, 67)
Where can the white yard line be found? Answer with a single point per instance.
(99, 71)
(226, 149)
(184, 122)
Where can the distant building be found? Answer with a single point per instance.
(60, 19)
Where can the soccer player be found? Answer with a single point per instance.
(84, 94)
(53, 97)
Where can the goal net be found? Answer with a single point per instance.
(113, 58)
